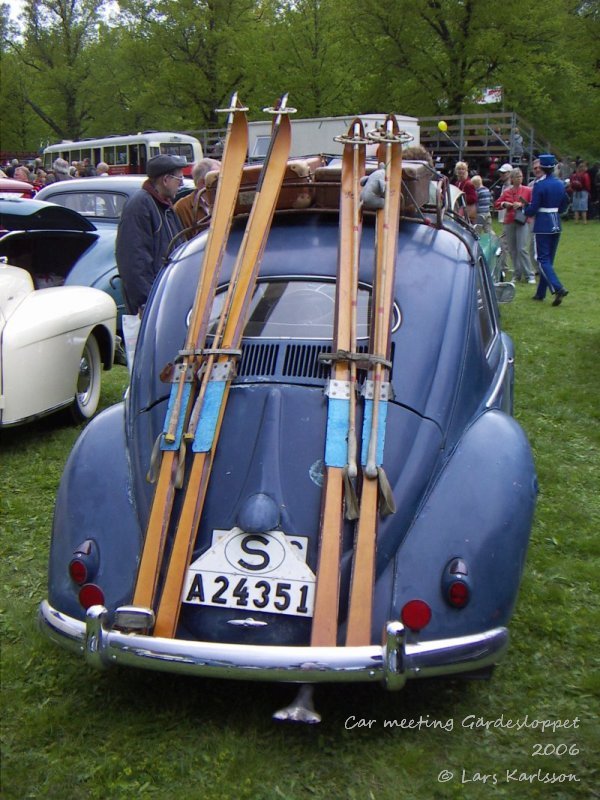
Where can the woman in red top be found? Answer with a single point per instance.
(517, 236)
(461, 172)
(581, 186)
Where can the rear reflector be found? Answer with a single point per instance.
(416, 615)
(91, 595)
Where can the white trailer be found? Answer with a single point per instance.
(316, 136)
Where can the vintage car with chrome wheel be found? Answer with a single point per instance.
(232, 552)
(54, 344)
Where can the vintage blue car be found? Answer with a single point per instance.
(448, 561)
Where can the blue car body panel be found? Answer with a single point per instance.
(460, 466)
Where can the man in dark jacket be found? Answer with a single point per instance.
(148, 224)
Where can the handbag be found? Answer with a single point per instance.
(520, 217)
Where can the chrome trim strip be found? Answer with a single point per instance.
(392, 663)
(498, 386)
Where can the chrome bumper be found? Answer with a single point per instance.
(392, 663)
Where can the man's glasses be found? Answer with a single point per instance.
(178, 178)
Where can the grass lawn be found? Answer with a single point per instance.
(71, 733)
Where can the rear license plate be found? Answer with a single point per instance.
(254, 572)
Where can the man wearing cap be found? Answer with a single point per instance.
(147, 226)
(504, 172)
(549, 200)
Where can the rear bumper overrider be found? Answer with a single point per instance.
(396, 660)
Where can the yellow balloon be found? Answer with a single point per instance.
(443, 126)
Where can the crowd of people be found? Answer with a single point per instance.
(530, 216)
(530, 227)
(33, 172)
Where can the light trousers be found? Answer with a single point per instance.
(517, 238)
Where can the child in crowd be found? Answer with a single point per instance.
(484, 202)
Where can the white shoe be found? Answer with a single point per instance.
(530, 280)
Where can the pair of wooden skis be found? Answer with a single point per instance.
(203, 375)
(341, 440)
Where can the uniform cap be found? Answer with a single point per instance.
(547, 160)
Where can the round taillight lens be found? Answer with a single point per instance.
(91, 595)
(458, 594)
(416, 615)
(78, 571)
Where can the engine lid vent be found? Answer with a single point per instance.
(289, 363)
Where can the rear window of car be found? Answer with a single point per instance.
(97, 204)
(297, 309)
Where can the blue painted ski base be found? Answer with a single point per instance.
(336, 444)
(366, 435)
(164, 445)
(207, 424)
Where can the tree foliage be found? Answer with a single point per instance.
(91, 67)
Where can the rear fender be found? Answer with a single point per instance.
(96, 504)
(479, 509)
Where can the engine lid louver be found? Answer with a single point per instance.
(290, 363)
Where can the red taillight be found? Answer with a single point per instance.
(458, 594)
(91, 595)
(78, 571)
(416, 615)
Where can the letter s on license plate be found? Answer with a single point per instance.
(254, 572)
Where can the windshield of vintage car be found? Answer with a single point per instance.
(92, 203)
(295, 309)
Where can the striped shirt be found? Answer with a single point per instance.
(484, 200)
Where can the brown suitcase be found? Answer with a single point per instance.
(416, 178)
(296, 191)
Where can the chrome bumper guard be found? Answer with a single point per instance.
(392, 663)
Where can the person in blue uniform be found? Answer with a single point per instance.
(548, 201)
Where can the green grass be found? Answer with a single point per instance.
(70, 733)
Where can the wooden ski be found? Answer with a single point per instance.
(170, 444)
(340, 444)
(207, 416)
(377, 391)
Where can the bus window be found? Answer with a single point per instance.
(109, 155)
(178, 149)
(87, 153)
(121, 154)
(97, 156)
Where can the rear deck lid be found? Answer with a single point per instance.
(35, 215)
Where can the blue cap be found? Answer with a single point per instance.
(547, 160)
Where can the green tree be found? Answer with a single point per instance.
(198, 53)
(54, 52)
(308, 57)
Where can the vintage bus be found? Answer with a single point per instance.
(126, 155)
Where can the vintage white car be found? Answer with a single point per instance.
(54, 343)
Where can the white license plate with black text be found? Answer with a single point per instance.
(253, 572)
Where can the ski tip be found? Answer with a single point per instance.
(234, 106)
(281, 106)
(356, 134)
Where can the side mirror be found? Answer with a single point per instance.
(505, 292)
